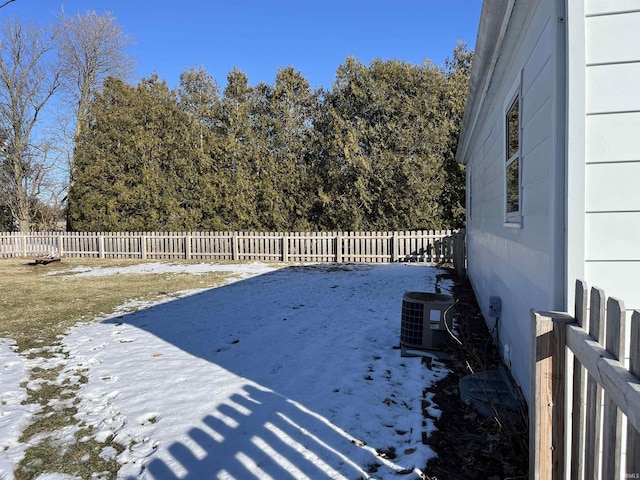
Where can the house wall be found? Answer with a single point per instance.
(520, 265)
(579, 62)
(612, 148)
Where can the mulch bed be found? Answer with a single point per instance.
(468, 445)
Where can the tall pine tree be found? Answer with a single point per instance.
(134, 163)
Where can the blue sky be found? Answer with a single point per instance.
(259, 37)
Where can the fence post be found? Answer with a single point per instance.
(579, 398)
(285, 248)
(100, 246)
(593, 431)
(187, 247)
(60, 246)
(143, 246)
(547, 406)
(234, 247)
(24, 243)
(395, 247)
(633, 435)
(612, 418)
(338, 248)
(459, 253)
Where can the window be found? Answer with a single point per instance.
(512, 158)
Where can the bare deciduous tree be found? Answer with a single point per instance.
(91, 47)
(28, 80)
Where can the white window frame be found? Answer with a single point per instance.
(512, 219)
(469, 204)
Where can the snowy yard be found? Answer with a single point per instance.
(285, 373)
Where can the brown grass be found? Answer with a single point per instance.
(36, 307)
(40, 303)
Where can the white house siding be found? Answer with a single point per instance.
(612, 148)
(516, 263)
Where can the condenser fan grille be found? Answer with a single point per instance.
(426, 317)
(412, 325)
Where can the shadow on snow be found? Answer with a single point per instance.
(279, 332)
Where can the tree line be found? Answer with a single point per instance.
(373, 152)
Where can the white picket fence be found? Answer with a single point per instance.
(342, 247)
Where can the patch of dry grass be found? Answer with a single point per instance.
(36, 307)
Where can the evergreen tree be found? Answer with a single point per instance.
(383, 140)
(198, 98)
(457, 85)
(133, 164)
(289, 117)
(341, 194)
(239, 203)
(377, 152)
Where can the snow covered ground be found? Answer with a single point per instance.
(284, 373)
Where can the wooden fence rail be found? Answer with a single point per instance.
(585, 407)
(342, 247)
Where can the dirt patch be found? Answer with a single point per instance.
(468, 445)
